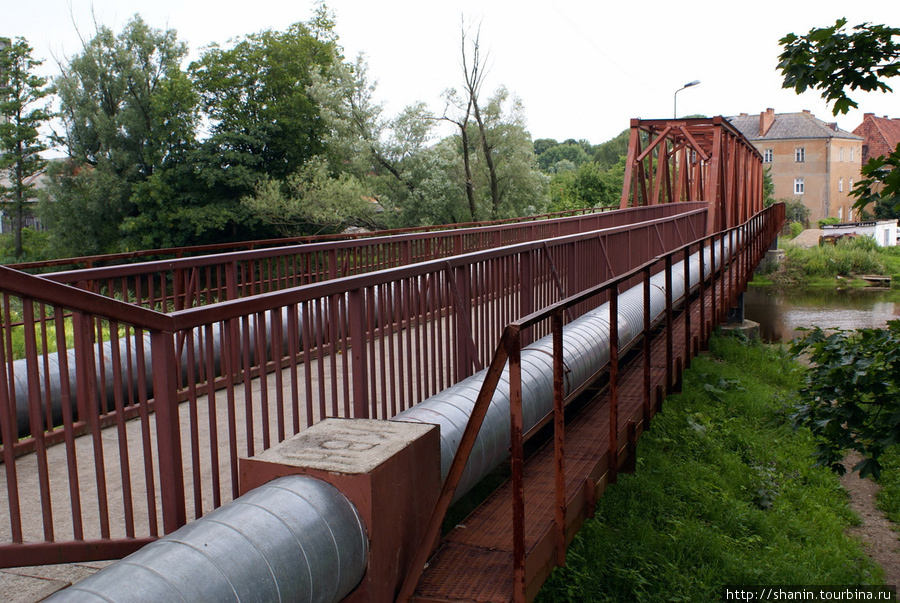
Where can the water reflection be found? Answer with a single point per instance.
(781, 312)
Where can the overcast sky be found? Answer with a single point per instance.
(582, 68)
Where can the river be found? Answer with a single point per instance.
(781, 312)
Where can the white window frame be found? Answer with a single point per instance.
(840, 214)
(851, 153)
(767, 156)
(841, 153)
(799, 154)
(840, 185)
(799, 186)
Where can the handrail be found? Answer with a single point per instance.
(509, 349)
(179, 252)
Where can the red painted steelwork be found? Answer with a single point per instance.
(371, 345)
(698, 159)
(524, 549)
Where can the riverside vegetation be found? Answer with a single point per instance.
(828, 265)
(725, 493)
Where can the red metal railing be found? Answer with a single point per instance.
(168, 285)
(97, 261)
(747, 244)
(233, 378)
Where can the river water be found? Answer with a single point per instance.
(781, 312)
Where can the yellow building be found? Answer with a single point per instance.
(809, 159)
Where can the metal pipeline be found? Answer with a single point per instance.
(294, 539)
(119, 355)
(586, 346)
(299, 539)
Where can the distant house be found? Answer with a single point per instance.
(809, 159)
(881, 135)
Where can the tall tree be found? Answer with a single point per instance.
(836, 59)
(130, 115)
(263, 120)
(473, 64)
(21, 116)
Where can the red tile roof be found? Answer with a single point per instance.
(881, 134)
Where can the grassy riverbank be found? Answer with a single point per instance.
(830, 265)
(724, 494)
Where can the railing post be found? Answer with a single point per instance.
(517, 464)
(559, 449)
(687, 307)
(646, 349)
(168, 430)
(670, 352)
(357, 313)
(613, 467)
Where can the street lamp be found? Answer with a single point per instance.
(688, 85)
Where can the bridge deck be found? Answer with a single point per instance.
(475, 560)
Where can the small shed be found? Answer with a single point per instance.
(883, 231)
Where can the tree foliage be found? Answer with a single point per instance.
(21, 116)
(836, 60)
(852, 395)
(833, 60)
(130, 115)
(255, 95)
(311, 201)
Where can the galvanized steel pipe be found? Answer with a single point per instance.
(294, 539)
(586, 346)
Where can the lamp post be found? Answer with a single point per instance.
(688, 85)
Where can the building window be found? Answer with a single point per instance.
(798, 186)
(800, 154)
(841, 154)
(850, 214)
(840, 185)
(851, 153)
(851, 184)
(840, 214)
(767, 156)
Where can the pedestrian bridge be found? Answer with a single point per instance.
(131, 394)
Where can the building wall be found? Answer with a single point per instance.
(824, 171)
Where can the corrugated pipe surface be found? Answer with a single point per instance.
(294, 539)
(585, 349)
(126, 357)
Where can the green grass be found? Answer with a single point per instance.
(724, 494)
(823, 265)
(889, 496)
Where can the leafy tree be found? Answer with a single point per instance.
(834, 60)
(311, 201)
(572, 153)
(852, 395)
(609, 153)
(20, 142)
(385, 153)
(587, 186)
(511, 183)
(83, 208)
(543, 144)
(130, 115)
(263, 120)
